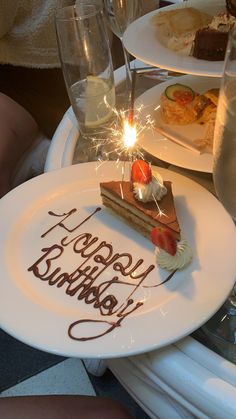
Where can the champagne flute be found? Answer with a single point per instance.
(88, 71)
(223, 324)
(119, 14)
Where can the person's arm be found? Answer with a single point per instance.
(8, 9)
(61, 407)
(18, 130)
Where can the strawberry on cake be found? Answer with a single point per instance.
(147, 204)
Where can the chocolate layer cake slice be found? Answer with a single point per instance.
(210, 44)
(119, 197)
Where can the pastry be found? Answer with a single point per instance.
(147, 204)
(210, 42)
(176, 28)
(125, 198)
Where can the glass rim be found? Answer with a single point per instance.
(94, 10)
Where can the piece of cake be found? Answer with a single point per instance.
(147, 204)
(210, 42)
(120, 196)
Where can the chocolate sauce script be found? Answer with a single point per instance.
(112, 294)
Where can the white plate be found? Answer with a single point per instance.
(40, 315)
(142, 41)
(166, 150)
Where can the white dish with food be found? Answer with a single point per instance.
(161, 147)
(73, 275)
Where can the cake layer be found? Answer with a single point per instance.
(118, 196)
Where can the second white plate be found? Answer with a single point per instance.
(166, 150)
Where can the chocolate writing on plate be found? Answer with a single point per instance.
(103, 278)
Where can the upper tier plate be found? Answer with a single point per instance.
(142, 41)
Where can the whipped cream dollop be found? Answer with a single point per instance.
(150, 191)
(181, 259)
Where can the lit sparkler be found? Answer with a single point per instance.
(129, 134)
(119, 140)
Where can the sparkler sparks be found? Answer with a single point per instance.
(160, 212)
(118, 140)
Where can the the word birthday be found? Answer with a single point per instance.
(111, 293)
